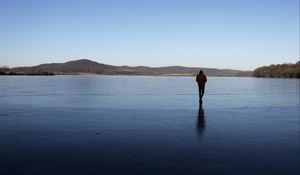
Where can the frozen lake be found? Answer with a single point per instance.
(148, 125)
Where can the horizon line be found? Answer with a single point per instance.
(120, 65)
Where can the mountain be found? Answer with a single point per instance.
(85, 66)
(78, 66)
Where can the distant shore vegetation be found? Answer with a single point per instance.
(84, 67)
(88, 67)
(278, 71)
(4, 70)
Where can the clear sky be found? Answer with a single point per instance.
(235, 34)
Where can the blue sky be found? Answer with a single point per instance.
(235, 34)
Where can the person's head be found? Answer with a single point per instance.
(200, 72)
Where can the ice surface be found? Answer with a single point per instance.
(148, 125)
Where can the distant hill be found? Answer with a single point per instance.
(279, 71)
(85, 66)
(78, 66)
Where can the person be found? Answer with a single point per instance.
(201, 80)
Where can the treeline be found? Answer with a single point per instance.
(7, 71)
(278, 71)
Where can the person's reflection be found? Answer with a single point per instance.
(201, 120)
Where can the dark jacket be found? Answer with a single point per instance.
(201, 80)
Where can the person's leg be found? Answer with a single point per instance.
(201, 93)
(199, 88)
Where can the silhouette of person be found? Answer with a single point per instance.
(201, 80)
